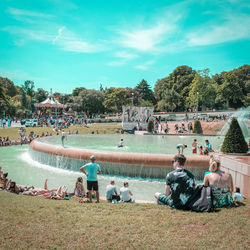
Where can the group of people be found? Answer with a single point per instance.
(203, 151)
(181, 185)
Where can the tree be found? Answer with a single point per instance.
(115, 98)
(197, 127)
(29, 88)
(41, 95)
(4, 99)
(202, 91)
(89, 101)
(145, 93)
(9, 86)
(234, 141)
(171, 92)
(76, 91)
(150, 126)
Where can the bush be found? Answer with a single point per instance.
(150, 126)
(234, 141)
(197, 127)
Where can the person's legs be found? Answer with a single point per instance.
(97, 197)
(45, 184)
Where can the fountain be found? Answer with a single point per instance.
(243, 118)
(146, 156)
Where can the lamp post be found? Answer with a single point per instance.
(197, 105)
(132, 98)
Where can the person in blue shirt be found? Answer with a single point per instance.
(91, 170)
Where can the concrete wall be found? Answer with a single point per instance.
(239, 168)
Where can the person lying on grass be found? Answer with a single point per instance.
(39, 191)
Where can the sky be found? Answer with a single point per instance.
(63, 44)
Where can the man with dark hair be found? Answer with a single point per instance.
(91, 170)
(180, 185)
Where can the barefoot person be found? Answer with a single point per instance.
(194, 147)
(63, 137)
(91, 170)
(180, 148)
(121, 143)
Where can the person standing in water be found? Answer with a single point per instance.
(121, 143)
(194, 146)
(63, 137)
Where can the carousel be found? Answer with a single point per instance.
(50, 106)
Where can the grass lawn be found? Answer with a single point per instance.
(36, 222)
(108, 128)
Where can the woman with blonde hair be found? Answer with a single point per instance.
(79, 188)
(221, 183)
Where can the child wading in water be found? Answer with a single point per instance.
(121, 143)
(194, 146)
(181, 148)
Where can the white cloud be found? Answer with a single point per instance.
(65, 39)
(125, 55)
(235, 28)
(146, 40)
(27, 13)
(145, 66)
(59, 34)
(117, 63)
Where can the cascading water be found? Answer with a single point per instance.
(243, 118)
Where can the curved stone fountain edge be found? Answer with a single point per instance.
(199, 161)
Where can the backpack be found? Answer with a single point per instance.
(201, 200)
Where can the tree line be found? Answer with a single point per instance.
(183, 90)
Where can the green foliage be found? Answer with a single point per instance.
(9, 86)
(89, 101)
(40, 95)
(150, 126)
(171, 92)
(197, 127)
(202, 90)
(115, 98)
(145, 93)
(234, 141)
(29, 88)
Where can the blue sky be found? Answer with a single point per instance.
(64, 44)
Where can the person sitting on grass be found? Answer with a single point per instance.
(79, 190)
(111, 191)
(181, 148)
(238, 196)
(180, 185)
(221, 184)
(4, 182)
(126, 193)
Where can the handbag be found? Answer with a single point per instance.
(201, 200)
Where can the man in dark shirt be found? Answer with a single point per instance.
(180, 185)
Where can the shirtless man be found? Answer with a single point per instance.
(194, 146)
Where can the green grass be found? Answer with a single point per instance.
(101, 128)
(36, 222)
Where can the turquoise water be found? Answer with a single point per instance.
(23, 169)
(151, 144)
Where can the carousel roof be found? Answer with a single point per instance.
(50, 102)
